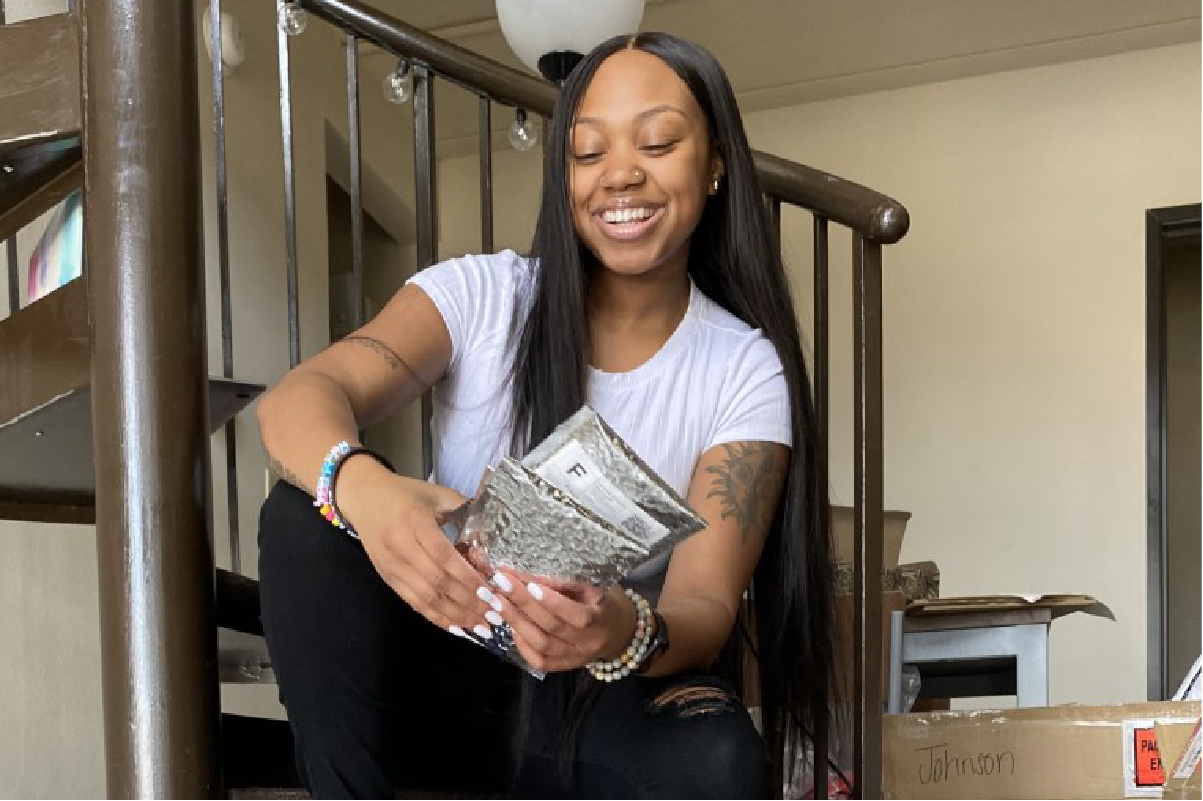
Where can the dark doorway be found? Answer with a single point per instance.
(1173, 254)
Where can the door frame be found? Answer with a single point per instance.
(1162, 226)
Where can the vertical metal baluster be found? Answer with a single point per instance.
(819, 379)
(10, 245)
(223, 260)
(867, 406)
(150, 435)
(486, 175)
(821, 340)
(14, 281)
(773, 206)
(426, 208)
(357, 311)
(290, 192)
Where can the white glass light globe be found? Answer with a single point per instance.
(293, 19)
(534, 28)
(523, 133)
(399, 84)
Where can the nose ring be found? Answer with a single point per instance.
(637, 175)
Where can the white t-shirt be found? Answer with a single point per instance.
(715, 380)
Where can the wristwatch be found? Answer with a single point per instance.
(658, 644)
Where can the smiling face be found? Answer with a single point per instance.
(640, 165)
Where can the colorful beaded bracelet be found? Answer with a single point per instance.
(323, 496)
(630, 659)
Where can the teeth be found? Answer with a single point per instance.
(627, 215)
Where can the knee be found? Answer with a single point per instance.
(725, 756)
(731, 762)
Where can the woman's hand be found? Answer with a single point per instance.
(565, 627)
(397, 521)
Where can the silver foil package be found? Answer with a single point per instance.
(581, 509)
(521, 522)
(585, 458)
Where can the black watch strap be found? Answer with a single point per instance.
(659, 643)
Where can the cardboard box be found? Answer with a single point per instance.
(1036, 752)
(843, 534)
(1184, 779)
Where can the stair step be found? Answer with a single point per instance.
(258, 753)
(45, 351)
(243, 659)
(46, 464)
(34, 178)
(39, 59)
(242, 656)
(238, 603)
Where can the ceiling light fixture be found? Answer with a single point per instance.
(552, 36)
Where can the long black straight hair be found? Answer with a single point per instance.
(735, 261)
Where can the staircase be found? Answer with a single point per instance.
(107, 404)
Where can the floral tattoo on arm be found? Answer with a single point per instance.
(747, 483)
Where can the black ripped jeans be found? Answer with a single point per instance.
(378, 698)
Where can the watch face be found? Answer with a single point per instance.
(660, 639)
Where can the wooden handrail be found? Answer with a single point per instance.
(877, 217)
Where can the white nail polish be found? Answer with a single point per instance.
(535, 591)
(457, 631)
(482, 631)
(502, 582)
(489, 598)
(493, 618)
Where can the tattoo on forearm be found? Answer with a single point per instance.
(388, 354)
(748, 483)
(282, 472)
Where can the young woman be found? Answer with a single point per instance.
(654, 293)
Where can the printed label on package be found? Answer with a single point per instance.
(572, 470)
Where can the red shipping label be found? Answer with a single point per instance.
(1149, 770)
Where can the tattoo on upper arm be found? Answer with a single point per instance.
(282, 472)
(388, 354)
(747, 483)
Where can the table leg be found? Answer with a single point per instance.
(1031, 665)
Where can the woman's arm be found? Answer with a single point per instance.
(735, 487)
(355, 382)
(325, 400)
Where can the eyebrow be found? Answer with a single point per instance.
(638, 117)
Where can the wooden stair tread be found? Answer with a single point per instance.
(36, 177)
(39, 59)
(46, 452)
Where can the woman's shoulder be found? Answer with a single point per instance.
(476, 277)
(503, 266)
(726, 332)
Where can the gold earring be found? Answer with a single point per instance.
(714, 185)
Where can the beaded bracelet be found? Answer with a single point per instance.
(636, 652)
(323, 497)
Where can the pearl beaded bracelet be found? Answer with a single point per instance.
(630, 659)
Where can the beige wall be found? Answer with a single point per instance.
(1014, 319)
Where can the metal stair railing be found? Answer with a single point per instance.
(141, 160)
